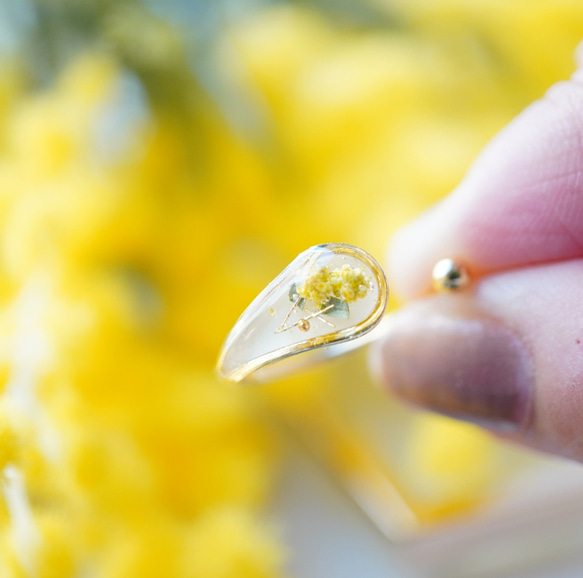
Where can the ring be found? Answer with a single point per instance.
(327, 297)
(325, 303)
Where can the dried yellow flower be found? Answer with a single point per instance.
(345, 283)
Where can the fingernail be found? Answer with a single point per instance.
(469, 368)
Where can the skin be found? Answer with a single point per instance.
(516, 220)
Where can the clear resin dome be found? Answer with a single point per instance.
(328, 295)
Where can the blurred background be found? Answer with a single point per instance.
(160, 163)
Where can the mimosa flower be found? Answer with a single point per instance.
(345, 283)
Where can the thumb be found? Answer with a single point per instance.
(507, 355)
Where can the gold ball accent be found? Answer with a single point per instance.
(303, 325)
(449, 275)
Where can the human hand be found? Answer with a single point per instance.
(508, 352)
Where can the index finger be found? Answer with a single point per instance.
(521, 202)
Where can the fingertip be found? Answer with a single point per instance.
(415, 248)
(445, 355)
(518, 205)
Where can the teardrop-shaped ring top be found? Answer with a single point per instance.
(328, 295)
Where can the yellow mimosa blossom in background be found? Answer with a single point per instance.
(145, 202)
(133, 443)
